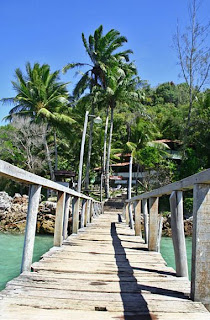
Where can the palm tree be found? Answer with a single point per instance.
(121, 89)
(43, 98)
(101, 50)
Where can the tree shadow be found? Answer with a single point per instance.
(135, 306)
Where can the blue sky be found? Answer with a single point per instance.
(49, 31)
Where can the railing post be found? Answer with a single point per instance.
(86, 213)
(160, 227)
(137, 214)
(66, 216)
(200, 247)
(33, 205)
(58, 232)
(145, 214)
(153, 223)
(127, 213)
(76, 215)
(91, 211)
(177, 226)
(131, 223)
(83, 213)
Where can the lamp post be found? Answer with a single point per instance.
(97, 120)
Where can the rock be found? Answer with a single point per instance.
(5, 201)
(47, 226)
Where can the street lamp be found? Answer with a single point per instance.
(97, 120)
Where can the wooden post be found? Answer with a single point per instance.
(160, 227)
(76, 215)
(127, 213)
(131, 223)
(66, 216)
(83, 213)
(200, 247)
(137, 214)
(33, 205)
(177, 226)
(153, 223)
(91, 211)
(123, 211)
(102, 207)
(86, 213)
(129, 193)
(58, 232)
(145, 214)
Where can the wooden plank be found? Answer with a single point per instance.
(105, 267)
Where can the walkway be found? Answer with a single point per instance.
(104, 272)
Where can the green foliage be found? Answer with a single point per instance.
(188, 206)
(142, 115)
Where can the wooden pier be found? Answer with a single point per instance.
(103, 272)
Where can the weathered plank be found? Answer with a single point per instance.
(104, 267)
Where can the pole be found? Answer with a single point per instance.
(129, 193)
(82, 152)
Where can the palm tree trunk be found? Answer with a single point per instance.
(87, 175)
(105, 139)
(56, 151)
(108, 154)
(52, 176)
(137, 173)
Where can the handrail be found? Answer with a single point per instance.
(147, 204)
(89, 208)
(184, 184)
(10, 171)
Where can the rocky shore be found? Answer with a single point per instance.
(13, 214)
(188, 226)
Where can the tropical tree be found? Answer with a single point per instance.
(121, 89)
(43, 98)
(101, 50)
(193, 55)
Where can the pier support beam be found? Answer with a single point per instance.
(177, 226)
(145, 214)
(76, 215)
(200, 247)
(66, 216)
(153, 224)
(127, 213)
(58, 233)
(33, 205)
(137, 215)
(83, 213)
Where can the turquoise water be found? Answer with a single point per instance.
(167, 252)
(11, 247)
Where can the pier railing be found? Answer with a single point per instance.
(88, 206)
(147, 204)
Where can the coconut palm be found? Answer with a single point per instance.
(42, 97)
(101, 50)
(121, 89)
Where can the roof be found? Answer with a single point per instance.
(123, 154)
(64, 173)
(167, 141)
(121, 164)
